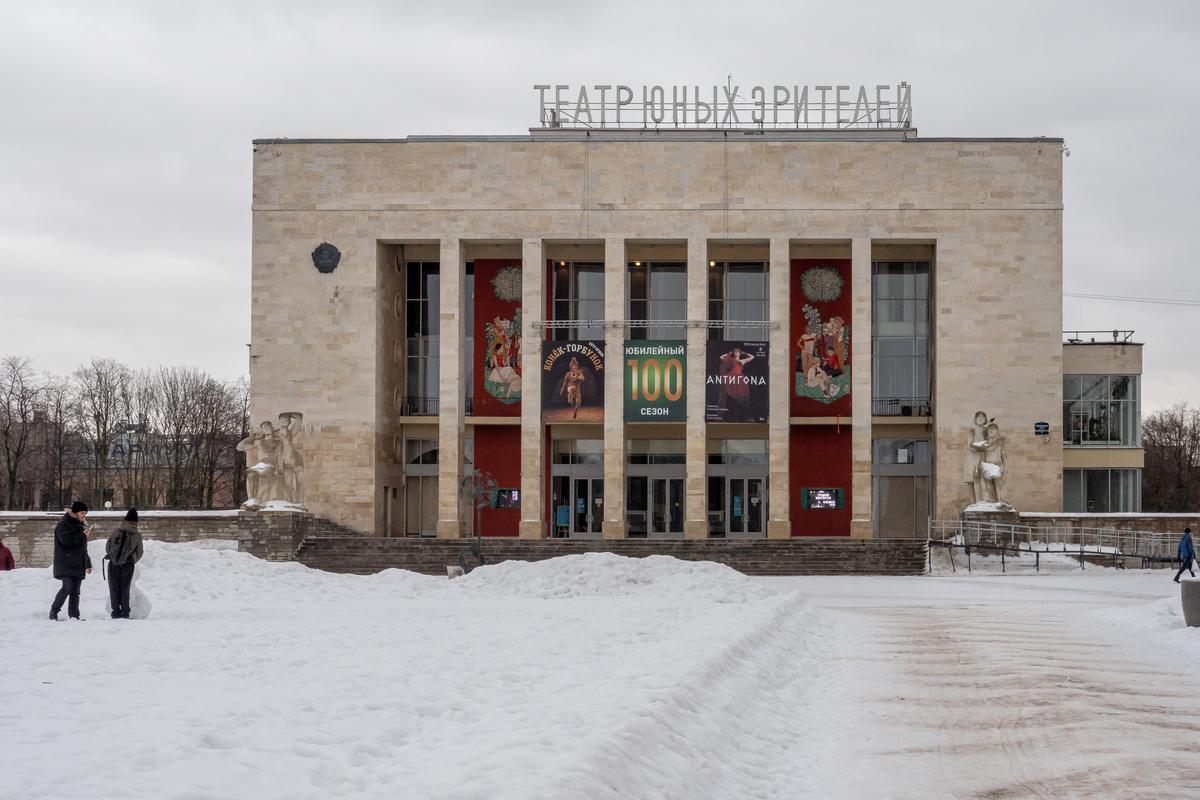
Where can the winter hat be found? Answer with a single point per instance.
(131, 515)
(78, 506)
(1187, 530)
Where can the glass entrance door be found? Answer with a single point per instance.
(579, 505)
(666, 506)
(736, 505)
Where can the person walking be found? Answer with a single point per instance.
(1187, 553)
(123, 550)
(6, 558)
(71, 559)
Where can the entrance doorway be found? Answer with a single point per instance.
(900, 477)
(654, 497)
(737, 488)
(577, 488)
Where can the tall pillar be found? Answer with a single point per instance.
(452, 340)
(613, 524)
(695, 513)
(533, 432)
(779, 524)
(860, 387)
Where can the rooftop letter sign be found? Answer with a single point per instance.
(780, 106)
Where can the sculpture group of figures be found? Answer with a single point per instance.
(985, 464)
(274, 466)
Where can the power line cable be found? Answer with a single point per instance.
(1166, 301)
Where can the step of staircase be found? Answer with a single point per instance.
(807, 556)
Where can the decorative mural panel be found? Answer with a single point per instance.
(821, 351)
(497, 338)
(572, 381)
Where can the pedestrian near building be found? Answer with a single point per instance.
(71, 559)
(6, 558)
(123, 550)
(1187, 553)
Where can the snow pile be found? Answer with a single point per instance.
(610, 575)
(1161, 622)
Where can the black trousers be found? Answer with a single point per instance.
(120, 577)
(1185, 563)
(70, 589)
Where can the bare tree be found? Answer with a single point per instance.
(98, 388)
(20, 396)
(1171, 477)
(58, 451)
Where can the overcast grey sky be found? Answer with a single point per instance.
(125, 142)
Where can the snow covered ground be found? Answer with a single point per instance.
(598, 676)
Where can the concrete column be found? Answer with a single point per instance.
(452, 333)
(533, 432)
(779, 524)
(695, 514)
(860, 387)
(613, 524)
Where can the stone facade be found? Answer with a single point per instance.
(986, 212)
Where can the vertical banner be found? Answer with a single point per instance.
(497, 333)
(572, 381)
(821, 308)
(735, 382)
(655, 380)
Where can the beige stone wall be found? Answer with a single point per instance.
(991, 210)
(1102, 359)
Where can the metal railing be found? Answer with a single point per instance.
(1149, 546)
(901, 407)
(419, 407)
(1097, 337)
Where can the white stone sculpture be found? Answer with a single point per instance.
(274, 465)
(988, 464)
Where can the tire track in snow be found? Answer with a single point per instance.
(988, 703)
(728, 731)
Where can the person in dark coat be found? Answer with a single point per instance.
(1187, 553)
(123, 550)
(6, 558)
(71, 559)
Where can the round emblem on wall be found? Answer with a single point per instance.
(326, 257)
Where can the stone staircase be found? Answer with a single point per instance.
(798, 556)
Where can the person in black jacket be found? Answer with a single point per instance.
(123, 550)
(71, 559)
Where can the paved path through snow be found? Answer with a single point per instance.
(999, 687)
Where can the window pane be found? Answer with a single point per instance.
(1073, 491)
(590, 282)
(1096, 482)
(1072, 387)
(637, 282)
(1095, 387)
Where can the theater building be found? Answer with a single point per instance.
(666, 326)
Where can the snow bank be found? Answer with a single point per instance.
(607, 574)
(1161, 622)
(254, 679)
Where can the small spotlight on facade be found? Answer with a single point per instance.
(712, 263)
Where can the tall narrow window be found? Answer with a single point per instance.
(737, 293)
(422, 310)
(579, 297)
(900, 338)
(657, 298)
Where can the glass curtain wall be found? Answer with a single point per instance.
(900, 338)
(1102, 491)
(737, 292)
(657, 294)
(422, 316)
(579, 297)
(1101, 410)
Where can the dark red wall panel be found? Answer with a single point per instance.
(498, 453)
(820, 458)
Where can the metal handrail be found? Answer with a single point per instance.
(1150, 545)
(1097, 337)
